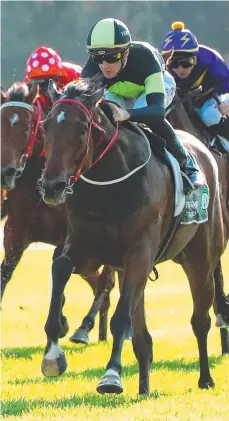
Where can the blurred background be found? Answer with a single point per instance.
(63, 25)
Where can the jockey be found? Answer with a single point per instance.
(194, 65)
(44, 64)
(133, 75)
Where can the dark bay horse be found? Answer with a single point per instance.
(184, 117)
(29, 218)
(120, 206)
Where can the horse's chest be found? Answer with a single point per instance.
(103, 234)
(101, 240)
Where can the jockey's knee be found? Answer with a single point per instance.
(209, 114)
(109, 96)
(140, 102)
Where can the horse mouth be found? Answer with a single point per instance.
(53, 195)
(53, 201)
(8, 179)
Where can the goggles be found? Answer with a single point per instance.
(109, 58)
(185, 63)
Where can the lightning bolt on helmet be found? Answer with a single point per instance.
(108, 36)
(180, 40)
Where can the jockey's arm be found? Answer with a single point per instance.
(220, 71)
(155, 98)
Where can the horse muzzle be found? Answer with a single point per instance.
(8, 177)
(54, 192)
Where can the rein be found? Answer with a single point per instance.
(78, 173)
(33, 138)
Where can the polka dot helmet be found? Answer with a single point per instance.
(44, 62)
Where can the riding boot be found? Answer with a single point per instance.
(194, 178)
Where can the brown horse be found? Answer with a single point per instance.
(109, 179)
(184, 117)
(29, 219)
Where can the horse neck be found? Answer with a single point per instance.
(180, 119)
(123, 156)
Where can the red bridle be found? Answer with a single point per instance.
(33, 137)
(75, 177)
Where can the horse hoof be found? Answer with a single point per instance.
(80, 336)
(110, 383)
(64, 330)
(55, 367)
(206, 384)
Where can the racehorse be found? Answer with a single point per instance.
(184, 117)
(120, 204)
(30, 219)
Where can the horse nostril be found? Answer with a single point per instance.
(10, 172)
(59, 187)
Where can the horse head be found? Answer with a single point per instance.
(71, 132)
(17, 130)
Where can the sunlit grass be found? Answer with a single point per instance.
(28, 396)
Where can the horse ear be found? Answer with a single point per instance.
(53, 91)
(3, 95)
(33, 92)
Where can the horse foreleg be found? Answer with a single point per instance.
(142, 345)
(136, 269)
(101, 285)
(54, 362)
(64, 323)
(14, 246)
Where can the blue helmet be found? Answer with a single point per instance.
(180, 40)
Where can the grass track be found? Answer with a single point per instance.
(28, 396)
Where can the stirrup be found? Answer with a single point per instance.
(188, 186)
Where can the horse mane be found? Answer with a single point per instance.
(17, 92)
(84, 89)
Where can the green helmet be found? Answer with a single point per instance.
(108, 36)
